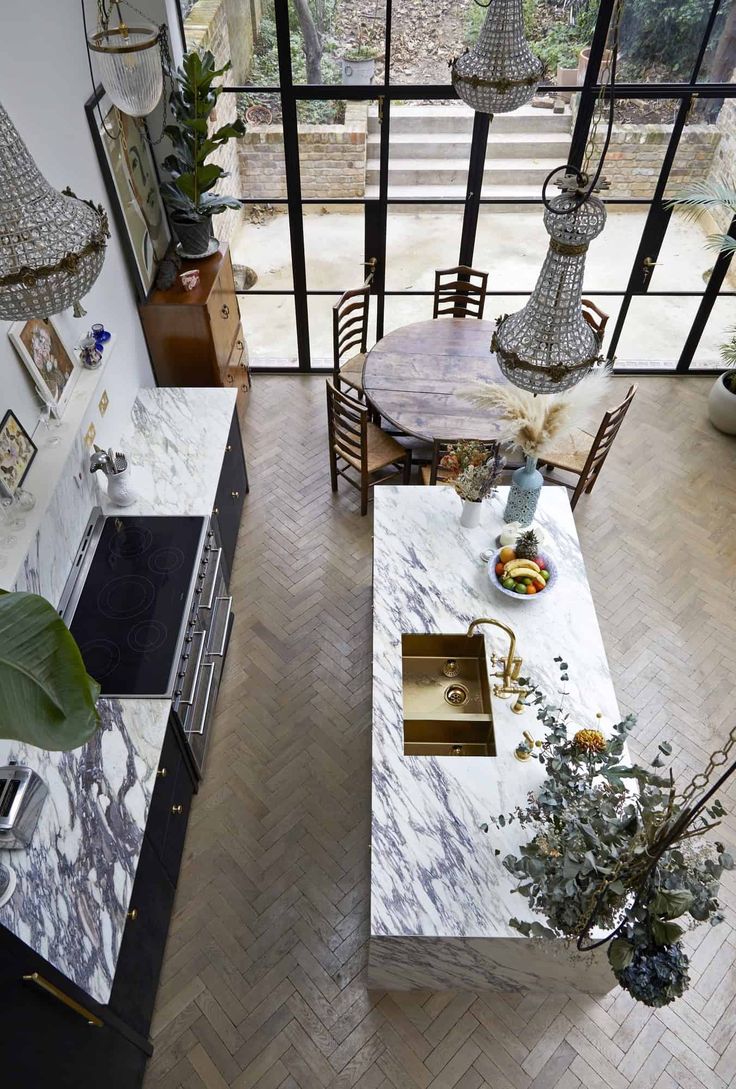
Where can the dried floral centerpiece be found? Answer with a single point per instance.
(473, 469)
(613, 847)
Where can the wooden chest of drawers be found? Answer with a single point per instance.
(195, 337)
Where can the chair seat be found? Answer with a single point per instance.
(425, 471)
(571, 453)
(351, 373)
(383, 450)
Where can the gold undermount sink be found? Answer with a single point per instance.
(447, 697)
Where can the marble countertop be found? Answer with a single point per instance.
(75, 881)
(433, 870)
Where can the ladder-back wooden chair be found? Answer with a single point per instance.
(350, 338)
(436, 473)
(459, 292)
(583, 455)
(357, 444)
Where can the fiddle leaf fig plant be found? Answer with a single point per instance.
(189, 196)
(47, 699)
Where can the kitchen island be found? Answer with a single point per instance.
(441, 899)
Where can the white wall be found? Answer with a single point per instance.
(44, 83)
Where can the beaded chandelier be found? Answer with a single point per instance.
(549, 345)
(500, 73)
(129, 61)
(52, 245)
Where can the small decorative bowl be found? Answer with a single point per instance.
(550, 565)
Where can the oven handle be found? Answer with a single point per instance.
(188, 699)
(206, 708)
(229, 604)
(213, 580)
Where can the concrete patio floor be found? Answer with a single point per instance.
(510, 245)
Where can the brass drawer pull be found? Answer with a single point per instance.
(177, 809)
(228, 448)
(225, 310)
(54, 991)
(216, 510)
(235, 495)
(132, 915)
(230, 379)
(239, 345)
(161, 773)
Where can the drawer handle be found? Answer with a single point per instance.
(216, 510)
(239, 345)
(162, 773)
(228, 448)
(225, 310)
(230, 379)
(177, 809)
(132, 915)
(235, 495)
(58, 994)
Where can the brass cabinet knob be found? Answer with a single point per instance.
(161, 773)
(235, 495)
(132, 914)
(176, 809)
(216, 510)
(225, 311)
(239, 345)
(230, 379)
(228, 448)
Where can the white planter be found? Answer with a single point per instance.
(566, 77)
(358, 71)
(472, 509)
(722, 407)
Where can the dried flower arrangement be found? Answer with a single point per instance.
(604, 855)
(536, 423)
(473, 471)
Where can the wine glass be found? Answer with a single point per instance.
(50, 423)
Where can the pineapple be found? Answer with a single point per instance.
(527, 545)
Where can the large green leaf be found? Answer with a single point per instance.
(47, 698)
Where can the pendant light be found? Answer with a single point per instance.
(500, 73)
(52, 245)
(549, 345)
(129, 62)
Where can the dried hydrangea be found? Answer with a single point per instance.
(656, 975)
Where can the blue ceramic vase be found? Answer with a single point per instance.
(526, 484)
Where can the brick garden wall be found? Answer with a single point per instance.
(635, 155)
(331, 157)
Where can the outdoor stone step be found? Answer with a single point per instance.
(449, 145)
(455, 192)
(455, 171)
(426, 119)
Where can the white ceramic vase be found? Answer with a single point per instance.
(722, 406)
(470, 517)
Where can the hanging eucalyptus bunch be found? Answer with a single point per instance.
(614, 848)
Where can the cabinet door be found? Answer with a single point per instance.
(160, 808)
(231, 492)
(181, 803)
(142, 950)
(224, 314)
(47, 1041)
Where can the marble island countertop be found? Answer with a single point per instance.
(75, 881)
(435, 873)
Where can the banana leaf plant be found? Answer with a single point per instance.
(47, 699)
(189, 195)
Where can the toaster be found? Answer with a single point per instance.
(22, 794)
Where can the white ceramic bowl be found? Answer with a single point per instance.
(550, 565)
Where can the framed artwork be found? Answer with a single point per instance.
(53, 366)
(17, 451)
(132, 183)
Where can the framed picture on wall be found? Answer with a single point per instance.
(52, 365)
(17, 451)
(132, 183)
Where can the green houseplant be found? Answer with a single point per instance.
(695, 201)
(189, 195)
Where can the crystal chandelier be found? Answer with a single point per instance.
(52, 245)
(500, 73)
(129, 61)
(549, 345)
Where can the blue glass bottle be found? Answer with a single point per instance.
(526, 484)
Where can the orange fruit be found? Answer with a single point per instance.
(507, 554)
(531, 588)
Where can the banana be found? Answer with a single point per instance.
(521, 573)
(512, 565)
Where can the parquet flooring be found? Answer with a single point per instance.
(263, 979)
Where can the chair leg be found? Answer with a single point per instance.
(364, 494)
(407, 468)
(333, 469)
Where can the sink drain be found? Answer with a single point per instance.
(456, 694)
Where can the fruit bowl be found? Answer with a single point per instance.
(549, 566)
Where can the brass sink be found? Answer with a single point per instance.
(447, 697)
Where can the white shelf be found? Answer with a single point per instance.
(50, 462)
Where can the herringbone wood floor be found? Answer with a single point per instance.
(263, 979)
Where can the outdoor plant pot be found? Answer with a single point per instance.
(358, 71)
(722, 406)
(566, 77)
(583, 59)
(194, 236)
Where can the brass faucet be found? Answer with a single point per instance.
(511, 666)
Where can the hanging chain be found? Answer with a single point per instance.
(606, 78)
(717, 760)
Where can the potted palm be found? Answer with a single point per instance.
(189, 195)
(700, 199)
(47, 699)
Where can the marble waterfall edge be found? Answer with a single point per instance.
(441, 899)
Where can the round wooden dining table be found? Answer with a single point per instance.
(414, 376)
